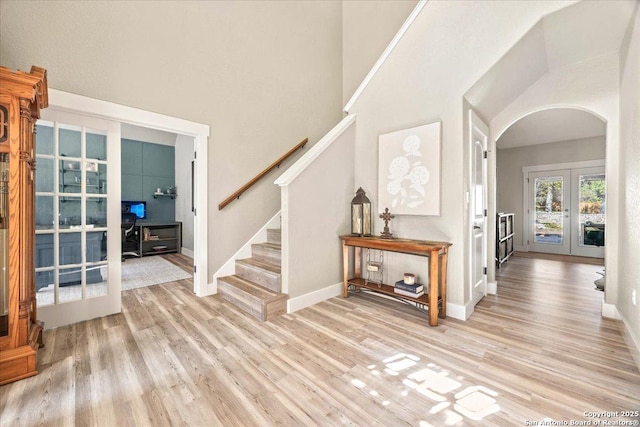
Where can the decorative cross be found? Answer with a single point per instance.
(386, 217)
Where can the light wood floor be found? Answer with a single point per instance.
(537, 349)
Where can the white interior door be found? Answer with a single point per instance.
(478, 207)
(78, 237)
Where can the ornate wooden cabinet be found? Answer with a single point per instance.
(22, 96)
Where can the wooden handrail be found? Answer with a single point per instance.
(257, 178)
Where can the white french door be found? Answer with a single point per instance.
(77, 251)
(549, 212)
(566, 210)
(589, 204)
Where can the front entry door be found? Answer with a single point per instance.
(77, 252)
(588, 205)
(478, 207)
(549, 209)
(567, 211)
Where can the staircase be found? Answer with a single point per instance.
(255, 288)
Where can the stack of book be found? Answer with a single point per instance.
(415, 290)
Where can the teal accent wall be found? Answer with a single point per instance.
(145, 167)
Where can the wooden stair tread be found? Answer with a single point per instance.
(269, 267)
(252, 288)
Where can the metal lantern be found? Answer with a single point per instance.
(361, 214)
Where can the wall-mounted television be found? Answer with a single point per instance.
(137, 207)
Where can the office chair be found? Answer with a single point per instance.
(130, 238)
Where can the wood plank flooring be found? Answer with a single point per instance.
(539, 349)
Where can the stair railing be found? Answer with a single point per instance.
(276, 164)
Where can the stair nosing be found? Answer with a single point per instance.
(271, 245)
(261, 265)
(270, 295)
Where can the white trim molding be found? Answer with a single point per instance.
(610, 311)
(315, 297)
(632, 342)
(492, 288)
(187, 252)
(558, 166)
(314, 152)
(394, 42)
(460, 312)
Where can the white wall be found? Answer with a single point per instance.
(184, 156)
(367, 28)
(510, 161)
(423, 81)
(629, 274)
(315, 212)
(263, 75)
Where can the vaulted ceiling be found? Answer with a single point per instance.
(579, 32)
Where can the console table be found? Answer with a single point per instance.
(435, 300)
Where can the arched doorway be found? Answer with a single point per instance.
(550, 172)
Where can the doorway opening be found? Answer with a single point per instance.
(550, 172)
(156, 206)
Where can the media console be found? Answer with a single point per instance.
(159, 237)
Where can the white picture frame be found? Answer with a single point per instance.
(409, 171)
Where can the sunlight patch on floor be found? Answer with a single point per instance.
(453, 402)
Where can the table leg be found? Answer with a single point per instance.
(358, 262)
(433, 288)
(345, 270)
(443, 283)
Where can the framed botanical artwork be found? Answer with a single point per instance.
(409, 171)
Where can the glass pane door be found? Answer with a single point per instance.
(71, 220)
(590, 206)
(75, 236)
(592, 201)
(550, 209)
(567, 211)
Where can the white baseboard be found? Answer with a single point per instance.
(610, 311)
(315, 297)
(460, 312)
(212, 289)
(492, 288)
(632, 341)
(518, 248)
(187, 252)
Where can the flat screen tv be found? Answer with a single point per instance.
(137, 207)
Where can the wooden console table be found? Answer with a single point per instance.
(435, 300)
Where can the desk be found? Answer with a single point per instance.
(435, 300)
